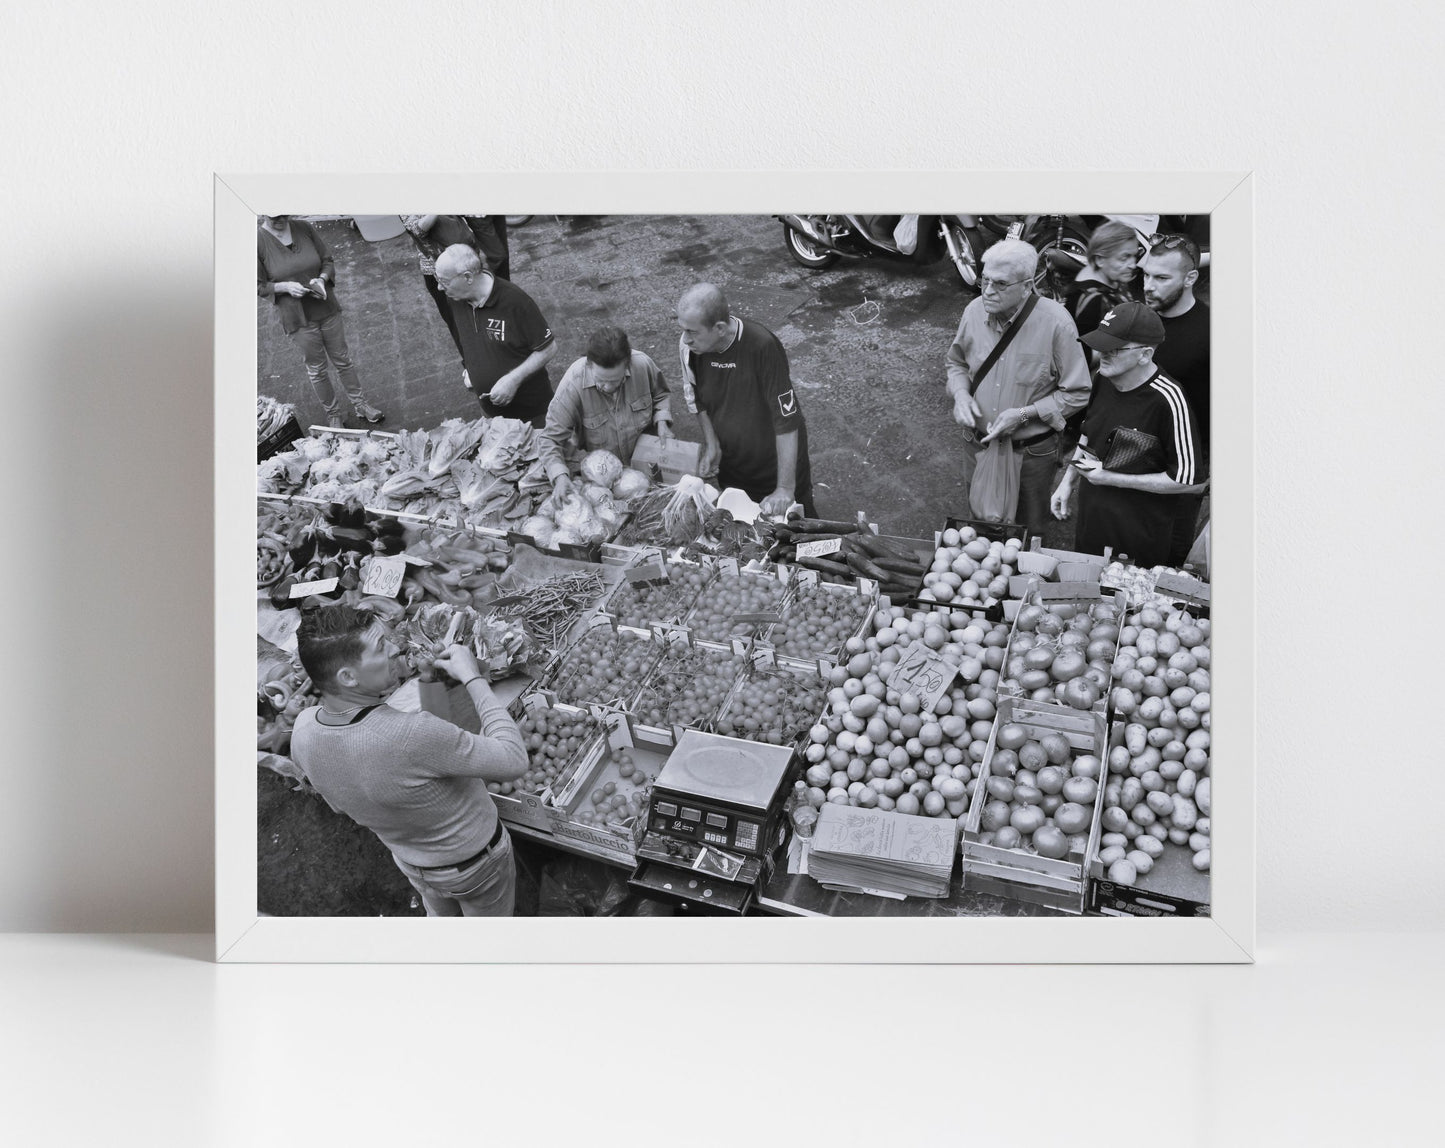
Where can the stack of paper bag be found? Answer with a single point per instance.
(872, 849)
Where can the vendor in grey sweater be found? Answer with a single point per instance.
(416, 781)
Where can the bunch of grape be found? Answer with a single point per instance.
(615, 804)
(711, 619)
(553, 740)
(640, 603)
(817, 623)
(605, 667)
(687, 688)
(777, 708)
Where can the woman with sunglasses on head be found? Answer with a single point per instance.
(295, 270)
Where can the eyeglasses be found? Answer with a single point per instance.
(1158, 242)
(985, 283)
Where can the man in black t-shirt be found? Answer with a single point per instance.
(1170, 269)
(752, 422)
(505, 340)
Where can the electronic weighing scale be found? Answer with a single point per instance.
(714, 818)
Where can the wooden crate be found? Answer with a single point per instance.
(1065, 879)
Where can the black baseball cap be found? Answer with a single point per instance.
(1126, 323)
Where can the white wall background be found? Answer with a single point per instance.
(115, 116)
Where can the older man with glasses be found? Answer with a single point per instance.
(1027, 390)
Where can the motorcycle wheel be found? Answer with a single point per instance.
(517, 220)
(1047, 281)
(805, 251)
(964, 262)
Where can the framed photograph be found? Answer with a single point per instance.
(869, 309)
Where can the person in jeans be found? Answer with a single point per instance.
(294, 269)
(415, 780)
(1037, 383)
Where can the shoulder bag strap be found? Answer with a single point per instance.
(1002, 345)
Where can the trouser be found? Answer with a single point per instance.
(444, 308)
(1039, 463)
(320, 342)
(1186, 527)
(486, 888)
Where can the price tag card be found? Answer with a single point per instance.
(867, 587)
(414, 560)
(819, 549)
(924, 673)
(384, 576)
(647, 573)
(320, 586)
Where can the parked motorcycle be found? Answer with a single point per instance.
(818, 241)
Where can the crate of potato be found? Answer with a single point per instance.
(878, 746)
(735, 605)
(970, 568)
(1034, 818)
(1156, 853)
(1062, 650)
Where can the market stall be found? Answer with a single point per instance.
(798, 717)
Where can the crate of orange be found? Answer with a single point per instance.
(1033, 819)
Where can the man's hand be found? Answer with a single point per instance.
(505, 389)
(664, 431)
(562, 486)
(966, 412)
(1098, 476)
(708, 459)
(289, 288)
(459, 662)
(777, 502)
(1059, 503)
(1005, 423)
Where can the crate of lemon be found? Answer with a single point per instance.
(1034, 817)
(878, 746)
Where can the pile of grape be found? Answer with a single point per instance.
(817, 623)
(615, 804)
(640, 603)
(687, 687)
(553, 741)
(605, 667)
(777, 708)
(711, 619)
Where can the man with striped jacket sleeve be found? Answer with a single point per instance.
(1140, 447)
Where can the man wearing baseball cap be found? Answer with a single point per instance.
(1140, 446)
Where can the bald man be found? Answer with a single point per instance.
(505, 340)
(752, 422)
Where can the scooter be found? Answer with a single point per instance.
(818, 241)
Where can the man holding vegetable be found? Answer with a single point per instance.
(416, 781)
(606, 400)
(736, 378)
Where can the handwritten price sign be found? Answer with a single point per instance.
(383, 576)
(924, 673)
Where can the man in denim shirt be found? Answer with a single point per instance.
(606, 399)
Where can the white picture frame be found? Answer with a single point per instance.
(1227, 936)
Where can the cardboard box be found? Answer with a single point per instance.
(673, 458)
